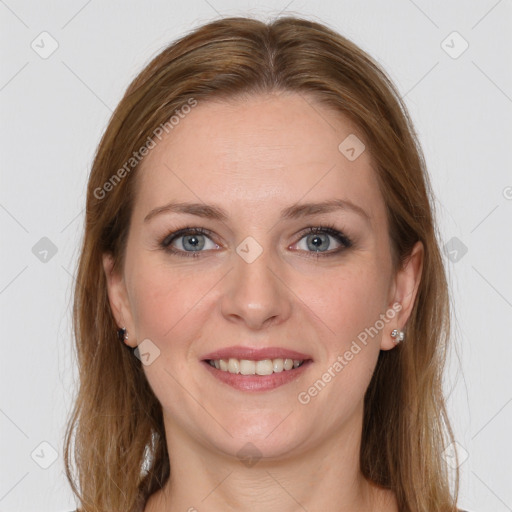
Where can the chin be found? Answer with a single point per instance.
(268, 437)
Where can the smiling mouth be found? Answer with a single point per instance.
(252, 367)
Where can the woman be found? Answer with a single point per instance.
(261, 310)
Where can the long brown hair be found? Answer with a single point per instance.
(115, 435)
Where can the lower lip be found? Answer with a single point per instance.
(257, 382)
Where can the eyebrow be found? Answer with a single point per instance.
(292, 212)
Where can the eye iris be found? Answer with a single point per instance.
(316, 240)
(196, 242)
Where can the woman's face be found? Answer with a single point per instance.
(256, 278)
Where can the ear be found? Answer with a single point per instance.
(405, 287)
(118, 298)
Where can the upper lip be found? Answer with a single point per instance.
(255, 354)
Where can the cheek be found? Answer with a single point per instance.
(351, 306)
(165, 299)
(349, 301)
(168, 309)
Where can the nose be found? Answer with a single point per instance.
(256, 294)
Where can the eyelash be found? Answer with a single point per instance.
(346, 242)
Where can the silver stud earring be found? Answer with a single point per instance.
(122, 334)
(397, 335)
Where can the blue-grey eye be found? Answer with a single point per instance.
(188, 241)
(318, 242)
(192, 242)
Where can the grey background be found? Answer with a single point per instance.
(54, 110)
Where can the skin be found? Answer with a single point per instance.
(253, 157)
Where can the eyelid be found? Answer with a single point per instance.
(331, 230)
(186, 231)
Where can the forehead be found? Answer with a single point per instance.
(259, 152)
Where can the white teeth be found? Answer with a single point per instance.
(264, 367)
(278, 365)
(249, 367)
(233, 366)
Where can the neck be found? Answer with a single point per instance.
(326, 477)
